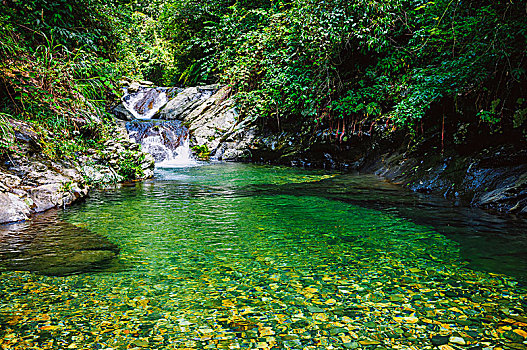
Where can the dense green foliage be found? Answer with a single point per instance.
(55, 70)
(341, 66)
(355, 63)
(60, 65)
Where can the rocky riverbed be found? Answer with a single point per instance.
(234, 256)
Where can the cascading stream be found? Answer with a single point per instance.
(166, 141)
(146, 102)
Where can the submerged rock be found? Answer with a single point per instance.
(53, 247)
(438, 340)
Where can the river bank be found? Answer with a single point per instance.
(492, 178)
(32, 182)
(486, 176)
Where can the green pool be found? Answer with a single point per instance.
(233, 256)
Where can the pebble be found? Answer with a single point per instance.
(437, 340)
(457, 340)
(515, 337)
(297, 301)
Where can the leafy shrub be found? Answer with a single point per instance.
(58, 70)
(202, 151)
(6, 133)
(129, 167)
(318, 62)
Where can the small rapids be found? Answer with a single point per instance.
(166, 141)
(146, 102)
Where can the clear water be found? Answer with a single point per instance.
(244, 256)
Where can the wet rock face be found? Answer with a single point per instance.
(213, 121)
(187, 101)
(143, 102)
(482, 179)
(121, 113)
(505, 188)
(161, 139)
(13, 208)
(52, 247)
(33, 185)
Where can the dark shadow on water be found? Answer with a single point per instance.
(489, 242)
(53, 247)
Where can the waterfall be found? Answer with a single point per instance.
(146, 102)
(166, 141)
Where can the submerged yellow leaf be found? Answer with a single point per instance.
(265, 331)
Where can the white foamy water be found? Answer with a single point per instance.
(167, 141)
(151, 103)
(181, 157)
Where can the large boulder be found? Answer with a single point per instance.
(186, 102)
(213, 121)
(120, 112)
(13, 208)
(46, 184)
(56, 195)
(143, 102)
